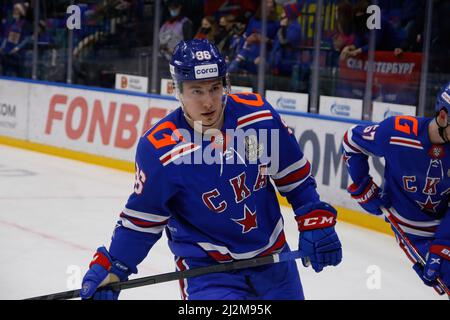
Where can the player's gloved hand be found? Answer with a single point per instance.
(318, 240)
(368, 195)
(103, 270)
(437, 262)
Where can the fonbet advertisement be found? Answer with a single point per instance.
(109, 124)
(101, 123)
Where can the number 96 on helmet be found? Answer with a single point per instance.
(197, 59)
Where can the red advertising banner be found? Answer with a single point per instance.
(388, 69)
(396, 79)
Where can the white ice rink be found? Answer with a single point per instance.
(55, 212)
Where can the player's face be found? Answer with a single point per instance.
(202, 100)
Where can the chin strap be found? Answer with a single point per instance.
(441, 130)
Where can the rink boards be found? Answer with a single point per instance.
(103, 126)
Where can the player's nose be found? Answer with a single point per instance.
(208, 103)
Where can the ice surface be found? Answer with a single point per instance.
(55, 212)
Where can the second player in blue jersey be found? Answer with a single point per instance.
(416, 181)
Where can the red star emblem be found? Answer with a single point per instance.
(429, 205)
(248, 222)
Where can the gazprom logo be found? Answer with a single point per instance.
(206, 71)
(390, 113)
(286, 103)
(342, 110)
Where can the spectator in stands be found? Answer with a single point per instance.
(286, 46)
(236, 8)
(344, 26)
(224, 33)
(175, 29)
(412, 24)
(248, 58)
(386, 37)
(208, 29)
(237, 39)
(17, 36)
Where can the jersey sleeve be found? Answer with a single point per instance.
(146, 212)
(293, 177)
(362, 141)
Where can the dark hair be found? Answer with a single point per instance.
(345, 18)
(361, 6)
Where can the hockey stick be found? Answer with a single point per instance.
(177, 275)
(441, 288)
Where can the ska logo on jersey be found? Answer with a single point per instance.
(214, 200)
(253, 150)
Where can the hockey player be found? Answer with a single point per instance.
(416, 180)
(222, 211)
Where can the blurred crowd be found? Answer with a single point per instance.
(235, 27)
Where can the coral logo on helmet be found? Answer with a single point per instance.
(206, 71)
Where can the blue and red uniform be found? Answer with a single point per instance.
(214, 212)
(416, 177)
(214, 194)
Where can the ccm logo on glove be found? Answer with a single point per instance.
(316, 219)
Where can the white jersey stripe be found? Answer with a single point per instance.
(416, 232)
(254, 121)
(128, 224)
(418, 224)
(293, 167)
(172, 159)
(184, 293)
(292, 186)
(174, 150)
(406, 145)
(253, 114)
(145, 216)
(247, 255)
(407, 140)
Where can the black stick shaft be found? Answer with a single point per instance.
(177, 275)
(441, 285)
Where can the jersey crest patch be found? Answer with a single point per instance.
(253, 149)
(436, 152)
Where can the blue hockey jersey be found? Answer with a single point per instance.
(417, 172)
(225, 209)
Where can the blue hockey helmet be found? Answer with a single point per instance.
(197, 59)
(443, 99)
